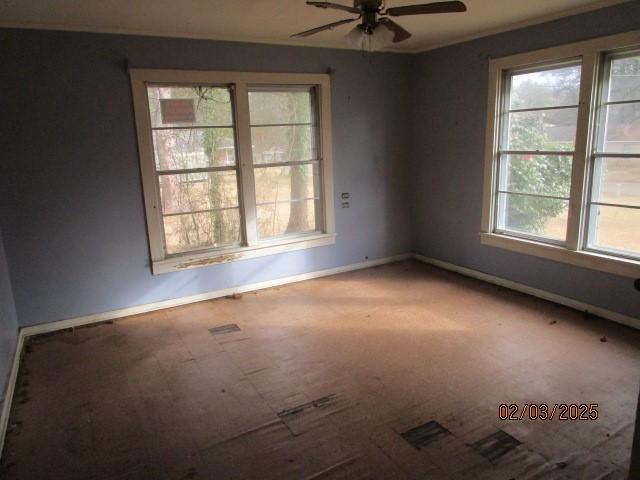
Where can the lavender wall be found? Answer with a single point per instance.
(73, 217)
(449, 118)
(72, 208)
(8, 321)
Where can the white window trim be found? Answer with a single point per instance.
(241, 81)
(591, 53)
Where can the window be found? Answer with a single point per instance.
(562, 167)
(537, 145)
(234, 165)
(285, 161)
(614, 207)
(193, 136)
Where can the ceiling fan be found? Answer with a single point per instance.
(374, 14)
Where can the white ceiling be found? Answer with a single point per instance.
(272, 21)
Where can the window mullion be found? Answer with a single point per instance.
(580, 164)
(247, 182)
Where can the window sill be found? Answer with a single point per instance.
(205, 259)
(596, 261)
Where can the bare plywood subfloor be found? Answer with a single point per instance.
(321, 379)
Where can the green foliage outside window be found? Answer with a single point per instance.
(550, 130)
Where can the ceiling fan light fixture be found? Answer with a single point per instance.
(378, 39)
(355, 37)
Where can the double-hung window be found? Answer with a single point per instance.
(286, 165)
(614, 202)
(562, 163)
(537, 144)
(234, 165)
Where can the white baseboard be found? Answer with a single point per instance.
(519, 287)
(10, 389)
(150, 307)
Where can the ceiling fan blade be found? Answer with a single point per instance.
(337, 6)
(306, 33)
(399, 33)
(437, 7)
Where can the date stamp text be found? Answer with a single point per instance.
(546, 411)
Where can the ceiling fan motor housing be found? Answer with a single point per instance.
(368, 5)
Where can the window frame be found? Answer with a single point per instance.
(240, 84)
(575, 251)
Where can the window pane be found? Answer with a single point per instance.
(527, 181)
(283, 144)
(622, 128)
(617, 180)
(287, 196)
(287, 217)
(269, 108)
(274, 184)
(616, 228)
(624, 83)
(544, 217)
(543, 130)
(548, 88)
(202, 230)
(191, 192)
(189, 106)
(540, 174)
(194, 148)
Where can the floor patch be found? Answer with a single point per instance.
(318, 403)
(309, 415)
(232, 327)
(496, 445)
(423, 435)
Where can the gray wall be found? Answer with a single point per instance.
(8, 322)
(74, 224)
(449, 118)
